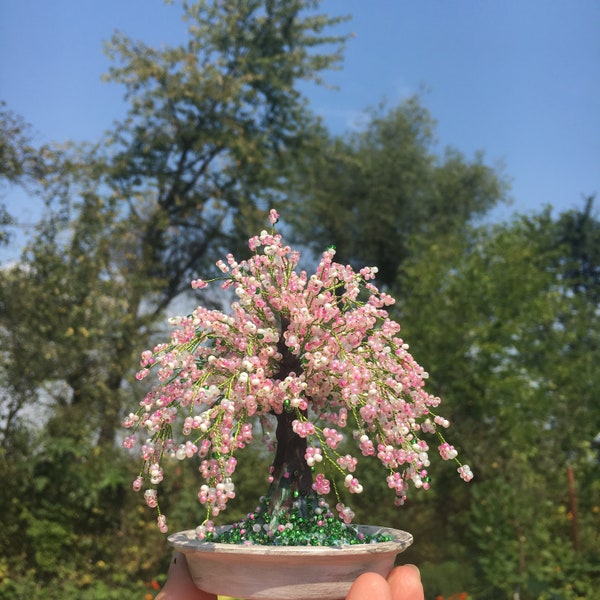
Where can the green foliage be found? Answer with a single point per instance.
(371, 192)
(580, 235)
(20, 160)
(74, 349)
(212, 125)
(74, 528)
(27, 587)
(446, 578)
(511, 344)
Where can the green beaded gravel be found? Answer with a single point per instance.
(307, 523)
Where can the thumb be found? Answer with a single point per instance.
(180, 585)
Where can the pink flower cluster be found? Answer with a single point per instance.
(217, 376)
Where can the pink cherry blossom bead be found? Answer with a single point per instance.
(312, 456)
(321, 485)
(347, 462)
(368, 413)
(441, 421)
(353, 484)
(162, 523)
(147, 450)
(202, 530)
(141, 374)
(156, 473)
(447, 452)
(230, 465)
(147, 358)
(203, 494)
(150, 498)
(130, 420)
(344, 512)
(332, 437)
(129, 442)
(303, 428)
(465, 472)
(204, 448)
(366, 446)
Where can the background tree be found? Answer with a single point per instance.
(370, 192)
(21, 162)
(24, 165)
(511, 340)
(506, 318)
(579, 232)
(211, 126)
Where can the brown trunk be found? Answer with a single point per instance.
(292, 477)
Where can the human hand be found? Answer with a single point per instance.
(403, 583)
(179, 585)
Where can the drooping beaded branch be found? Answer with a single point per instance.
(320, 353)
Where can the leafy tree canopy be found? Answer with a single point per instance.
(511, 339)
(370, 192)
(209, 127)
(212, 125)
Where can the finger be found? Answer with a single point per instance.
(370, 586)
(405, 582)
(180, 585)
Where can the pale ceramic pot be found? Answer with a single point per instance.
(286, 572)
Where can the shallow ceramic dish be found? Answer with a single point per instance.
(287, 572)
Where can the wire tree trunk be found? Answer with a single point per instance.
(292, 477)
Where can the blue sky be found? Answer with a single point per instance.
(518, 79)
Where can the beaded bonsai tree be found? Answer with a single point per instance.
(309, 357)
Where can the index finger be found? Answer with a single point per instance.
(405, 582)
